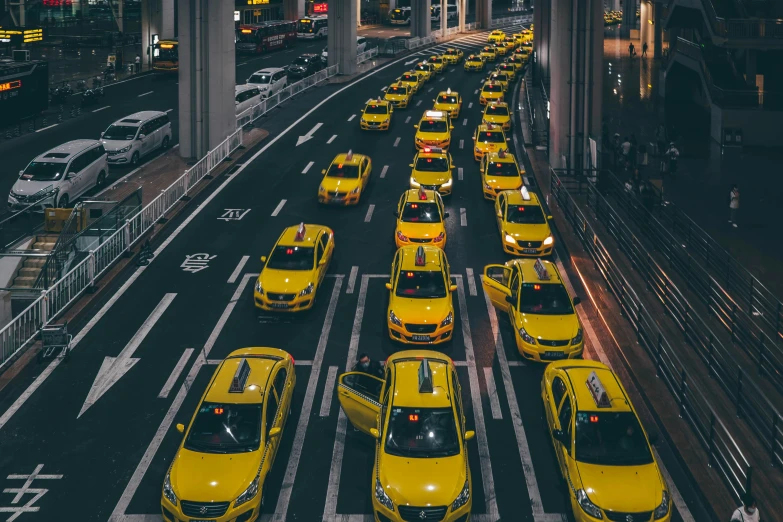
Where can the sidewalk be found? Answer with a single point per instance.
(706, 173)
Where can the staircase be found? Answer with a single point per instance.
(31, 268)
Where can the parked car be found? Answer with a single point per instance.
(304, 65)
(269, 81)
(246, 96)
(361, 46)
(135, 136)
(62, 174)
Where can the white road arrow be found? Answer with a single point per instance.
(412, 61)
(309, 135)
(113, 368)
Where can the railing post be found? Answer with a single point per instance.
(44, 308)
(91, 271)
(127, 236)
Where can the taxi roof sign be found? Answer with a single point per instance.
(422, 194)
(525, 195)
(598, 391)
(240, 377)
(448, 91)
(421, 260)
(300, 232)
(541, 271)
(434, 150)
(425, 376)
(433, 114)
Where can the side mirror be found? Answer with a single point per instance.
(434, 100)
(510, 300)
(469, 435)
(323, 171)
(416, 126)
(451, 127)
(70, 175)
(181, 428)
(142, 136)
(445, 215)
(550, 218)
(577, 300)
(560, 436)
(322, 261)
(388, 286)
(411, 165)
(274, 432)
(452, 288)
(375, 433)
(263, 259)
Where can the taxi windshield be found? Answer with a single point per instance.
(120, 132)
(525, 214)
(611, 439)
(410, 78)
(492, 87)
(497, 110)
(435, 59)
(421, 284)
(432, 126)
(491, 137)
(291, 258)
(473, 58)
(397, 90)
(376, 109)
(502, 169)
(432, 164)
(545, 299)
(44, 171)
(447, 98)
(423, 212)
(422, 432)
(225, 428)
(343, 170)
(499, 78)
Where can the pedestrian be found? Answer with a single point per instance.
(748, 512)
(734, 196)
(673, 154)
(660, 138)
(631, 50)
(644, 50)
(365, 365)
(137, 62)
(625, 148)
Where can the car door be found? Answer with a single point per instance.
(553, 396)
(366, 170)
(565, 421)
(271, 421)
(497, 285)
(500, 211)
(359, 395)
(76, 174)
(320, 249)
(147, 139)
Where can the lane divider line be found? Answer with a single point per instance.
(326, 399)
(279, 207)
(370, 210)
(352, 117)
(463, 217)
(309, 165)
(492, 392)
(175, 373)
(352, 279)
(384, 170)
(330, 140)
(238, 270)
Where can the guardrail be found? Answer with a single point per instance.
(510, 20)
(743, 28)
(695, 408)
(751, 403)
(366, 55)
(24, 327)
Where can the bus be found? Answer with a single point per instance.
(24, 90)
(165, 56)
(400, 16)
(311, 27)
(266, 36)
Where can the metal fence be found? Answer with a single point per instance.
(510, 20)
(743, 28)
(695, 408)
(366, 55)
(24, 328)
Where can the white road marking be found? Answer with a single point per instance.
(279, 207)
(352, 279)
(326, 399)
(145, 94)
(440, 79)
(397, 141)
(429, 90)
(175, 373)
(383, 89)
(113, 368)
(102, 108)
(370, 210)
(330, 140)
(304, 418)
(47, 127)
(517, 363)
(408, 119)
(459, 173)
(238, 270)
(465, 122)
(309, 135)
(470, 105)
(461, 144)
(463, 217)
(309, 165)
(384, 170)
(471, 282)
(352, 117)
(241, 63)
(492, 392)
(418, 103)
(475, 92)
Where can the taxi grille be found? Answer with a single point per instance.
(419, 240)
(280, 297)
(414, 514)
(529, 244)
(204, 509)
(545, 342)
(420, 328)
(628, 517)
(430, 187)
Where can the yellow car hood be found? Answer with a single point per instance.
(422, 481)
(503, 182)
(285, 281)
(420, 230)
(496, 118)
(549, 327)
(213, 477)
(491, 95)
(446, 107)
(527, 232)
(375, 117)
(431, 178)
(420, 311)
(332, 184)
(627, 489)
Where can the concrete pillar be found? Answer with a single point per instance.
(341, 38)
(657, 30)
(157, 18)
(420, 18)
(542, 19)
(293, 9)
(576, 80)
(629, 17)
(646, 26)
(358, 13)
(207, 76)
(463, 8)
(484, 13)
(750, 67)
(444, 17)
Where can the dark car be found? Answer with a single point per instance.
(305, 65)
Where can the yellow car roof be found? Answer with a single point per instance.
(579, 373)
(249, 389)
(514, 197)
(496, 104)
(414, 196)
(406, 389)
(435, 56)
(488, 49)
(530, 274)
(448, 93)
(290, 236)
(484, 127)
(349, 158)
(376, 102)
(474, 57)
(500, 157)
(434, 116)
(432, 255)
(432, 152)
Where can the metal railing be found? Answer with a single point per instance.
(58, 256)
(751, 403)
(20, 224)
(366, 55)
(695, 408)
(24, 328)
(743, 28)
(510, 20)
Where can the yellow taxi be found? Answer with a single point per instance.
(488, 138)
(522, 223)
(420, 309)
(475, 62)
(412, 80)
(425, 70)
(527, 35)
(518, 38)
(376, 115)
(497, 113)
(499, 171)
(399, 95)
(448, 101)
(230, 444)
(420, 219)
(523, 53)
(453, 55)
(345, 179)
(491, 92)
(539, 307)
(496, 36)
(432, 168)
(434, 130)
(517, 61)
(508, 69)
(438, 63)
(489, 54)
(501, 78)
(509, 42)
(420, 470)
(602, 449)
(500, 48)
(295, 268)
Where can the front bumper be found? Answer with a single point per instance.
(517, 250)
(380, 125)
(400, 334)
(539, 353)
(421, 144)
(420, 241)
(382, 514)
(247, 512)
(119, 158)
(331, 199)
(297, 304)
(581, 516)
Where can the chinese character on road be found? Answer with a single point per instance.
(196, 262)
(234, 214)
(16, 508)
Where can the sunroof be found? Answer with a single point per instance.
(60, 155)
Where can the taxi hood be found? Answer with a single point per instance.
(376, 117)
(422, 482)
(542, 326)
(431, 178)
(420, 230)
(608, 486)
(332, 184)
(527, 232)
(420, 311)
(285, 281)
(228, 475)
(503, 182)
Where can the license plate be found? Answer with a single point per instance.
(529, 251)
(554, 355)
(421, 338)
(279, 305)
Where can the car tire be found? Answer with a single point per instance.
(165, 143)
(101, 181)
(134, 159)
(62, 201)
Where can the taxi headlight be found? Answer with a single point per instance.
(462, 498)
(448, 320)
(662, 510)
(307, 291)
(419, 139)
(414, 183)
(259, 288)
(401, 236)
(124, 149)
(578, 338)
(510, 240)
(168, 491)
(321, 188)
(394, 319)
(249, 493)
(478, 149)
(486, 186)
(381, 496)
(548, 241)
(587, 506)
(526, 336)
(448, 183)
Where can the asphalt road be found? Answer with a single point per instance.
(104, 455)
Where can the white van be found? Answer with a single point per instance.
(64, 173)
(269, 81)
(246, 96)
(133, 137)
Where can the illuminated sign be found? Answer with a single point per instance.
(167, 46)
(8, 86)
(236, 16)
(321, 8)
(21, 35)
(257, 2)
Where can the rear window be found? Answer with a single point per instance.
(447, 98)
(423, 212)
(502, 169)
(491, 137)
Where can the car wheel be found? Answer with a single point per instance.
(63, 201)
(101, 181)
(135, 159)
(165, 143)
